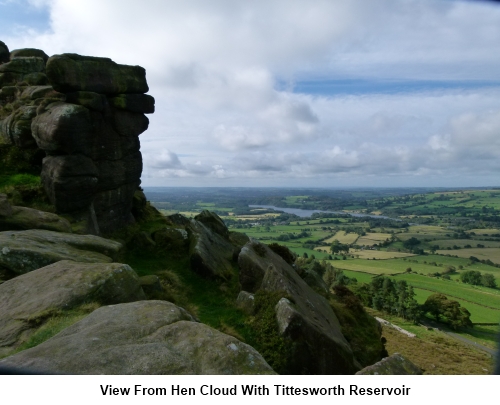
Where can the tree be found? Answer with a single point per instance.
(488, 280)
(337, 247)
(411, 243)
(471, 277)
(439, 306)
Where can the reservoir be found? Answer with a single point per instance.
(307, 213)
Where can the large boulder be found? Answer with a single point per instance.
(27, 52)
(25, 251)
(72, 72)
(172, 240)
(210, 254)
(395, 364)
(212, 221)
(24, 65)
(253, 262)
(304, 318)
(64, 129)
(16, 128)
(23, 218)
(147, 337)
(26, 301)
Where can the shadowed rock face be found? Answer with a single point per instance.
(304, 318)
(86, 114)
(145, 337)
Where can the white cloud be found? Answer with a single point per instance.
(214, 69)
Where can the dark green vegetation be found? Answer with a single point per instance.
(20, 179)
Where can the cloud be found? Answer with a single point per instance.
(223, 74)
(166, 159)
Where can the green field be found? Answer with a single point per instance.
(492, 254)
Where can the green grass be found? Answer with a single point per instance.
(56, 323)
(211, 302)
(16, 180)
(492, 254)
(474, 294)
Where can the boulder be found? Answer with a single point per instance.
(150, 285)
(177, 219)
(304, 317)
(23, 65)
(173, 240)
(72, 72)
(238, 239)
(27, 52)
(23, 218)
(64, 129)
(210, 254)
(129, 124)
(395, 364)
(212, 221)
(146, 337)
(25, 251)
(16, 128)
(26, 301)
(253, 263)
(246, 302)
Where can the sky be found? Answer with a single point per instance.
(293, 93)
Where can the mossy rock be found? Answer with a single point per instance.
(146, 337)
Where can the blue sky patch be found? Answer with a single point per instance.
(19, 15)
(367, 86)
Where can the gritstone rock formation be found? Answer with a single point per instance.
(144, 337)
(78, 119)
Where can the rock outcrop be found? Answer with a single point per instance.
(86, 114)
(26, 301)
(210, 254)
(304, 318)
(146, 337)
(392, 365)
(25, 251)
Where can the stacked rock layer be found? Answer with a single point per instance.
(86, 114)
